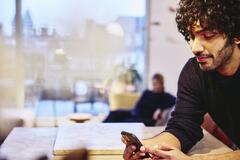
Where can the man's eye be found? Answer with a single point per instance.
(208, 35)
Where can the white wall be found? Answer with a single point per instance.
(168, 51)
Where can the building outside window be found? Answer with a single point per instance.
(67, 45)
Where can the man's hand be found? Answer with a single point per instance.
(165, 137)
(166, 152)
(130, 152)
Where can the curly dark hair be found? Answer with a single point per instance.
(223, 15)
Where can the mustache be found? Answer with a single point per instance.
(200, 54)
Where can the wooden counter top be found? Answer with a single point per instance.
(29, 143)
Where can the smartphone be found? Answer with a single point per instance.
(132, 139)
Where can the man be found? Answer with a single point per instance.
(208, 83)
(151, 108)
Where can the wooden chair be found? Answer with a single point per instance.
(124, 100)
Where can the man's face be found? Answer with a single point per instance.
(157, 86)
(211, 48)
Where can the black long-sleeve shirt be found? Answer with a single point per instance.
(200, 92)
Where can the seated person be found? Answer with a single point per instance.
(149, 107)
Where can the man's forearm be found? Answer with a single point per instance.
(166, 138)
(229, 156)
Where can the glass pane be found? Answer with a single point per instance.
(65, 43)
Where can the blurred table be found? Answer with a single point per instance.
(80, 117)
(29, 143)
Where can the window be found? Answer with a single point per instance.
(66, 41)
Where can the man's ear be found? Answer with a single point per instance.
(236, 40)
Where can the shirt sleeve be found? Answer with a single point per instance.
(187, 117)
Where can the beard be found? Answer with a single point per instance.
(220, 60)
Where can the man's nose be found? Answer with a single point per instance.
(197, 46)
